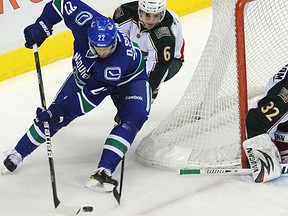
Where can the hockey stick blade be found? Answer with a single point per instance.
(225, 171)
(116, 195)
(67, 210)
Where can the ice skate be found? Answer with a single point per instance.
(12, 161)
(101, 181)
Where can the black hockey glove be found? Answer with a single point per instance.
(54, 113)
(37, 32)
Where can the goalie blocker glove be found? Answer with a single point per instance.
(263, 157)
(37, 32)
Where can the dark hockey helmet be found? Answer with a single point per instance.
(102, 33)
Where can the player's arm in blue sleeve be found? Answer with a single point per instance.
(56, 10)
(85, 101)
(76, 105)
(42, 28)
(50, 14)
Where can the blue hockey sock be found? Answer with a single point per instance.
(25, 146)
(109, 160)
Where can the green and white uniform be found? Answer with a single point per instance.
(162, 46)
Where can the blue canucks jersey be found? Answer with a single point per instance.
(121, 75)
(117, 69)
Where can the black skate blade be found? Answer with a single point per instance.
(116, 195)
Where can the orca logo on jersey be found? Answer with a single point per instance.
(112, 73)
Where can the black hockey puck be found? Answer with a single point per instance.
(87, 208)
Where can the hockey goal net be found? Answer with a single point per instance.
(207, 126)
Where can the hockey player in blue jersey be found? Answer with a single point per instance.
(105, 63)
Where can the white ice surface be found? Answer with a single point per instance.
(76, 148)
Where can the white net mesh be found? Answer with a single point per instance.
(203, 129)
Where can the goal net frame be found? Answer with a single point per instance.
(242, 76)
(153, 150)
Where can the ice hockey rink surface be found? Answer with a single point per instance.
(146, 190)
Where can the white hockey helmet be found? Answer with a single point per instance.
(152, 7)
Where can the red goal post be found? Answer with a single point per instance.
(242, 78)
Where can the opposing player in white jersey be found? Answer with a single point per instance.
(158, 31)
(270, 114)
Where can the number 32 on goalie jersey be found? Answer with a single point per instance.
(270, 111)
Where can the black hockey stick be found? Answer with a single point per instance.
(117, 194)
(58, 205)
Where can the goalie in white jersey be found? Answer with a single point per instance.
(158, 31)
(262, 121)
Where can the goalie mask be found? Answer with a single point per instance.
(154, 9)
(102, 37)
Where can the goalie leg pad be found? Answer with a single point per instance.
(263, 157)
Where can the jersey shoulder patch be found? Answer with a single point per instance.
(163, 29)
(126, 12)
(162, 32)
(118, 13)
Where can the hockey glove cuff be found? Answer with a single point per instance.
(37, 32)
(54, 113)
